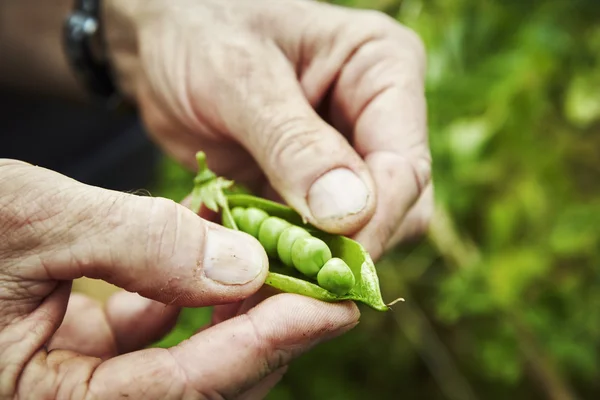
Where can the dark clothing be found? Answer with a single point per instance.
(86, 143)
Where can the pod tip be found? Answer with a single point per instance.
(398, 300)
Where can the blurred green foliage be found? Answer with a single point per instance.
(502, 297)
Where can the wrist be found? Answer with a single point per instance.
(120, 37)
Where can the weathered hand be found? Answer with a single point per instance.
(54, 230)
(323, 104)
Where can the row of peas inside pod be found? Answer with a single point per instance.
(296, 247)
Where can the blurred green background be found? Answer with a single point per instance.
(503, 296)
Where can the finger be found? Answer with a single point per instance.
(309, 163)
(137, 322)
(227, 311)
(224, 312)
(230, 358)
(380, 95)
(85, 329)
(417, 220)
(264, 293)
(397, 195)
(62, 230)
(23, 337)
(263, 387)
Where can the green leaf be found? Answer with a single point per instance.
(582, 101)
(208, 188)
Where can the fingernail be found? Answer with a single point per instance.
(337, 194)
(231, 257)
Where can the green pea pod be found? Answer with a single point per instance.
(366, 289)
(211, 192)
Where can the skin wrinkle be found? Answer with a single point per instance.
(86, 382)
(421, 141)
(405, 85)
(10, 336)
(194, 115)
(368, 102)
(179, 372)
(421, 180)
(315, 96)
(293, 143)
(113, 209)
(160, 242)
(38, 327)
(274, 357)
(23, 297)
(41, 221)
(159, 76)
(160, 216)
(55, 366)
(53, 208)
(190, 125)
(22, 236)
(265, 351)
(252, 81)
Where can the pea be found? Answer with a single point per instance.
(336, 276)
(236, 213)
(269, 233)
(309, 254)
(251, 220)
(286, 241)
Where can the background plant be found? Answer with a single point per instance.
(502, 296)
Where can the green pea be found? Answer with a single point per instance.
(269, 233)
(251, 220)
(336, 276)
(286, 242)
(309, 254)
(236, 213)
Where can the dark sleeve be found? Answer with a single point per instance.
(89, 144)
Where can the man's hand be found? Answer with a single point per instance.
(54, 230)
(320, 104)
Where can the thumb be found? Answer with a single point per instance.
(311, 165)
(62, 230)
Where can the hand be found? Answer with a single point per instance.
(327, 102)
(54, 230)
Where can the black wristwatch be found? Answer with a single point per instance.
(81, 30)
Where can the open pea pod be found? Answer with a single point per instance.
(366, 289)
(212, 192)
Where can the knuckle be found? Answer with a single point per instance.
(378, 21)
(291, 139)
(164, 223)
(416, 44)
(380, 24)
(273, 357)
(422, 170)
(404, 69)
